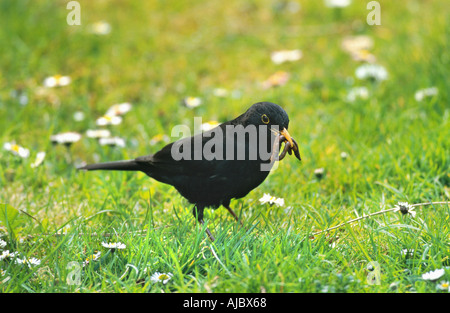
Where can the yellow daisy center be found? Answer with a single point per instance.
(15, 148)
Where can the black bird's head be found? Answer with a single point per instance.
(270, 114)
(267, 113)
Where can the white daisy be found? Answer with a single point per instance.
(279, 202)
(319, 172)
(209, 125)
(344, 155)
(78, 116)
(337, 3)
(445, 286)
(34, 261)
(220, 92)
(281, 56)
(357, 93)
(6, 254)
(114, 245)
(433, 275)
(16, 149)
(192, 102)
(112, 141)
(119, 109)
(407, 252)
(57, 81)
(98, 133)
(39, 159)
(67, 138)
(424, 93)
(353, 44)
(405, 208)
(94, 257)
(159, 138)
(30, 262)
(100, 28)
(108, 120)
(161, 277)
(267, 198)
(371, 71)
(2, 244)
(363, 55)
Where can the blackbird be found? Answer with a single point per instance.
(228, 161)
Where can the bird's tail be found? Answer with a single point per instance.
(127, 165)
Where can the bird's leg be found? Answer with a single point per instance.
(227, 206)
(198, 214)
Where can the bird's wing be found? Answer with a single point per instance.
(168, 161)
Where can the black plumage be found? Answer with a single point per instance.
(208, 173)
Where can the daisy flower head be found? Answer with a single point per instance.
(353, 44)
(119, 109)
(319, 172)
(158, 277)
(405, 208)
(267, 198)
(159, 138)
(2, 244)
(39, 159)
(16, 149)
(209, 125)
(100, 28)
(220, 92)
(281, 56)
(94, 257)
(57, 81)
(108, 120)
(7, 255)
(337, 3)
(407, 252)
(373, 72)
(112, 141)
(444, 286)
(425, 93)
(67, 138)
(357, 93)
(98, 133)
(192, 102)
(433, 275)
(114, 245)
(29, 262)
(78, 116)
(364, 56)
(344, 155)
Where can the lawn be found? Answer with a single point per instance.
(368, 106)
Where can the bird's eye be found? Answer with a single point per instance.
(265, 119)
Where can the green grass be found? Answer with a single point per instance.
(158, 53)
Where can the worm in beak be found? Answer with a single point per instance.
(289, 146)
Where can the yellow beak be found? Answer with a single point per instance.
(288, 137)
